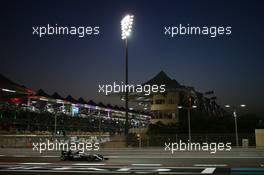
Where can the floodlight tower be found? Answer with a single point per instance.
(126, 27)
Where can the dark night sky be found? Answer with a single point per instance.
(230, 65)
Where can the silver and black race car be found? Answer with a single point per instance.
(77, 155)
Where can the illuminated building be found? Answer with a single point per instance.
(165, 107)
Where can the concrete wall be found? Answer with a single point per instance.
(259, 135)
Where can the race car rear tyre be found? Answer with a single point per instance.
(63, 157)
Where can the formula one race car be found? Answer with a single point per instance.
(77, 155)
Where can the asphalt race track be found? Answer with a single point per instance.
(135, 161)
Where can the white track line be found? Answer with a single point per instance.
(88, 164)
(124, 169)
(145, 164)
(54, 171)
(208, 171)
(210, 165)
(163, 169)
(34, 163)
(178, 173)
(62, 168)
(16, 167)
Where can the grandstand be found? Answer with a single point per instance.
(24, 111)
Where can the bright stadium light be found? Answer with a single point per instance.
(126, 26)
(8, 90)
